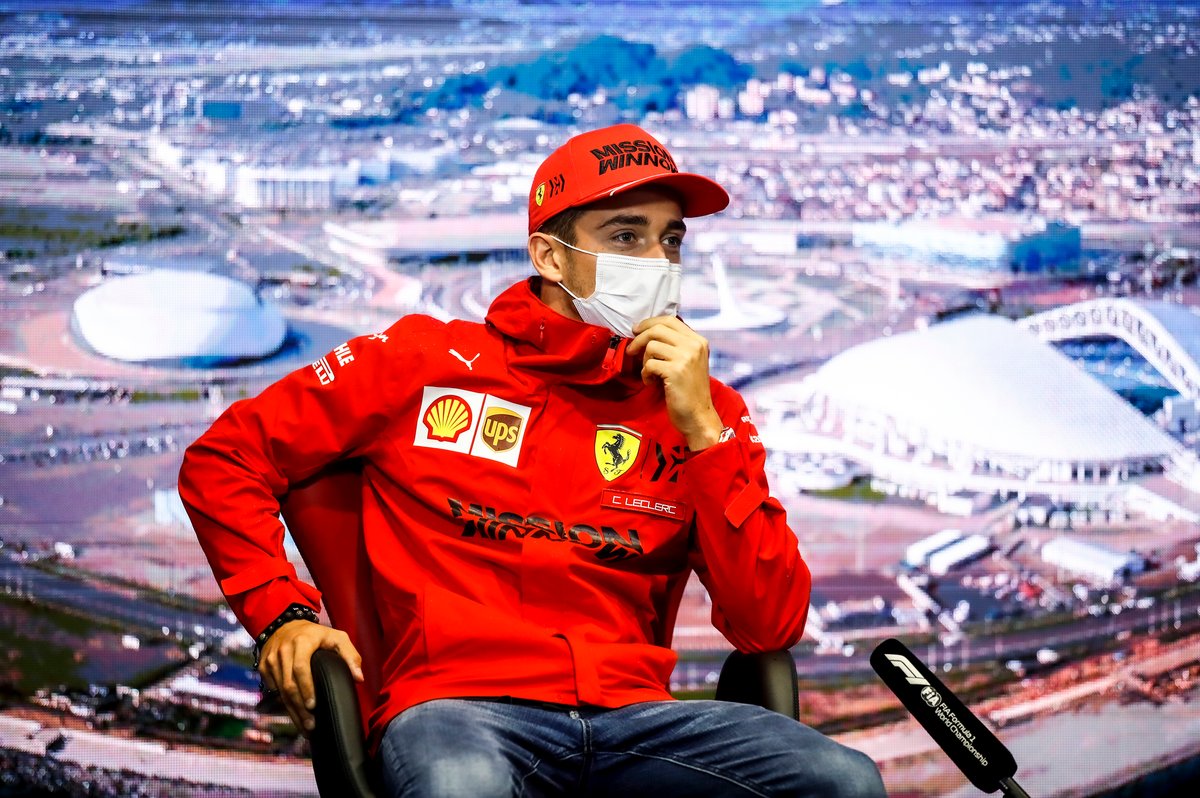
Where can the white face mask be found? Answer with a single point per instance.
(628, 290)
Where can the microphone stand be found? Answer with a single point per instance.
(1011, 789)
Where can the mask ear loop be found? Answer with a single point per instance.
(572, 246)
(560, 283)
(570, 293)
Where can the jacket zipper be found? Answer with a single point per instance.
(610, 357)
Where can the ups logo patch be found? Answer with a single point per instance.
(501, 429)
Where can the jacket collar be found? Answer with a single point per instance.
(559, 348)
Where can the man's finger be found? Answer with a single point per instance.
(650, 333)
(302, 671)
(289, 690)
(265, 676)
(283, 675)
(642, 335)
(658, 350)
(350, 654)
(654, 371)
(269, 667)
(645, 324)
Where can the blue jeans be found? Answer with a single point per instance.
(463, 748)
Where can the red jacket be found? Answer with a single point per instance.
(530, 510)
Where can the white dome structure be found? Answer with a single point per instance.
(169, 315)
(978, 404)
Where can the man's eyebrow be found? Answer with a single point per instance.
(637, 220)
(631, 219)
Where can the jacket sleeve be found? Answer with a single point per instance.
(744, 552)
(233, 474)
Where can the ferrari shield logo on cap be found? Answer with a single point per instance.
(540, 196)
(616, 450)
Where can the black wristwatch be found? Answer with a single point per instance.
(294, 612)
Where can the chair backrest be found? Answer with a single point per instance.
(324, 516)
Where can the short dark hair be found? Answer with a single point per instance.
(562, 224)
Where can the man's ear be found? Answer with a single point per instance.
(545, 257)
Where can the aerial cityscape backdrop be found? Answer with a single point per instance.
(956, 285)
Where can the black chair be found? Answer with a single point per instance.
(316, 512)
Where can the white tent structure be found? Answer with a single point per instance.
(168, 315)
(1092, 560)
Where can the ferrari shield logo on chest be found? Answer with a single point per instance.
(616, 450)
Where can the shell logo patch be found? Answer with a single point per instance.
(617, 449)
(472, 423)
(447, 418)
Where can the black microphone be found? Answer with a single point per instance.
(978, 753)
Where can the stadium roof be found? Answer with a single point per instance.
(1166, 334)
(175, 315)
(1181, 321)
(984, 382)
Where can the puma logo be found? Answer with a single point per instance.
(467, 363)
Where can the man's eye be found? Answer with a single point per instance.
(625, 237)
(673, 241)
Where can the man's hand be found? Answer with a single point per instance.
(677, 357)
(285, 665)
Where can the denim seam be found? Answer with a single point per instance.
(533, 766)
(589, 753)
(748, 787)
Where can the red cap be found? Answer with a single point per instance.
(605, 162)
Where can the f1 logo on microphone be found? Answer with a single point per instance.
(910, 672)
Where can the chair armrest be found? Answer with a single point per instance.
(767, 680)
(339, 752)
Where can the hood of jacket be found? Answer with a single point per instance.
(559, 348)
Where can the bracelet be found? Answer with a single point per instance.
(294, 612)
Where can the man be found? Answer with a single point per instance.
(537, 490)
